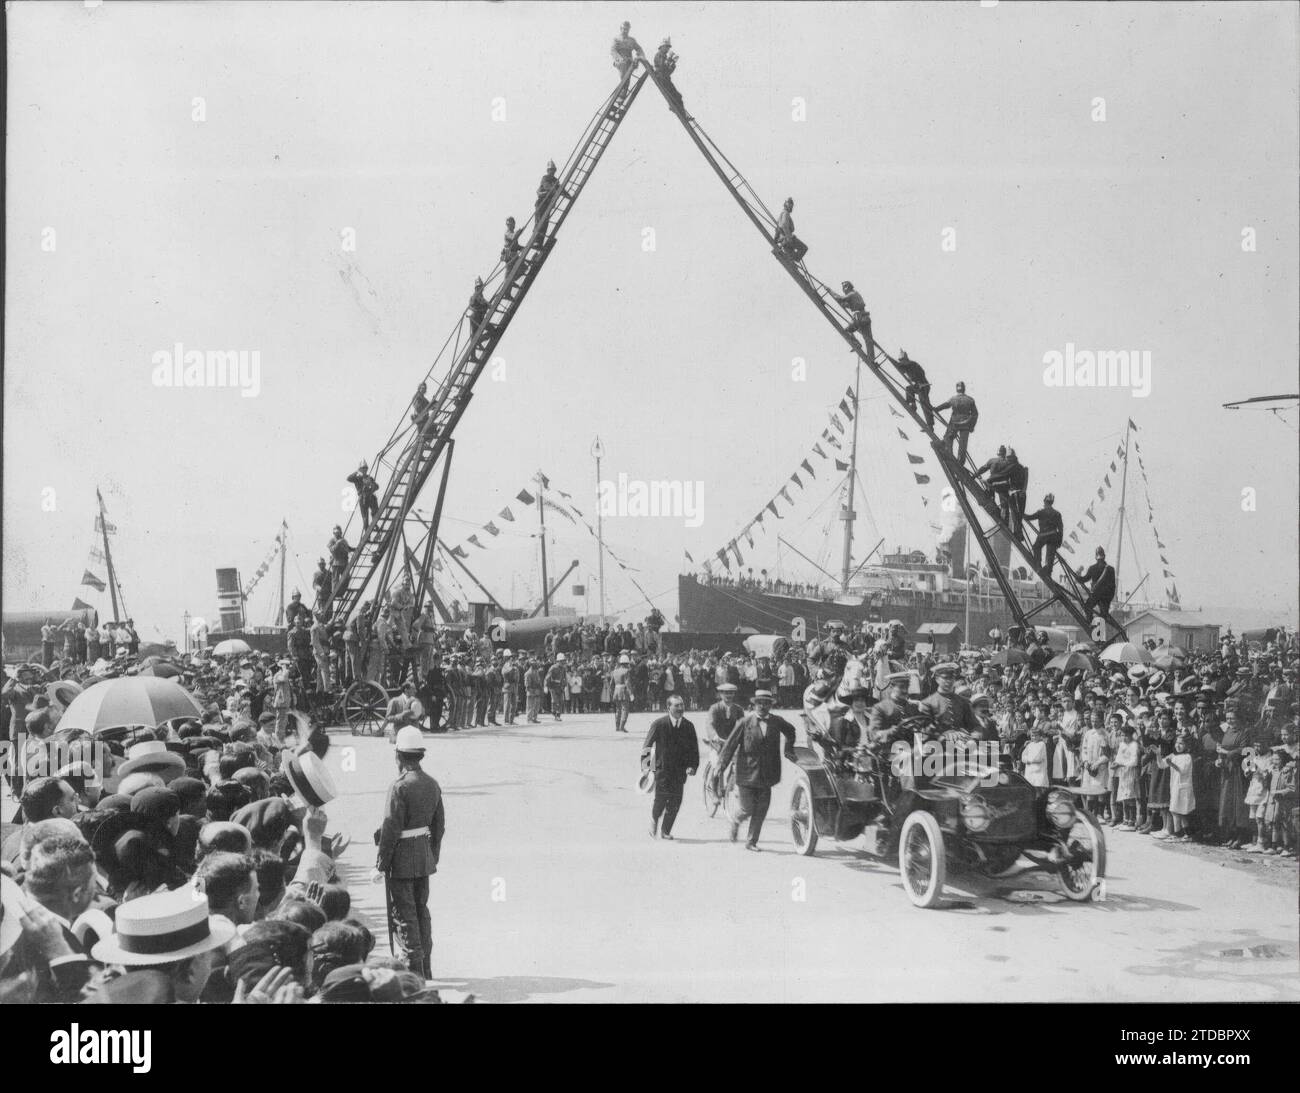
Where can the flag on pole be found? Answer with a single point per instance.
(525, 497)
(818, 449)
(78, 604)
(786, 495)
(94, 582)
(797, 480)
(735, 547)
(839, 425)
(900, 431)
(1131, 425)
(722, 557)
(840, 465)
(807, 467)
(491, 528)
(921, 479)
(845, 409)
(895, 412)
(459, 552)
(506, 514)
(772, 505)
(542, 480)
(914, 459)
(688, 556)
(474, 539)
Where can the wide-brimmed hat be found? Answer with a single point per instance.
(311, 779)
(154, 757)
(163, 928)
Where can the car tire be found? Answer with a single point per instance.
(1080, 882)
(922, 859)
(803, 825)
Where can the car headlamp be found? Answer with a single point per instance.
(1060, 808)
(974, 813)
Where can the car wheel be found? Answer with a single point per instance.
(922, 859)
(1085, 848)
(712, 802)
(803, 828)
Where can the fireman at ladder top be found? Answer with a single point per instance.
(367, 489)
(624, 52)
(961, 421)
(853, 303)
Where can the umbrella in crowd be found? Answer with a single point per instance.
(62, 693)
(231, 647)
(1169, 657)
(1125, 652)
(131, 700)
(1010, 655)
(1073, 661)
(162, 671)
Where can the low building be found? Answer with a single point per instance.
(939, 638)
(1186, 629)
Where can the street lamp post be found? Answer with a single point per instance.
(598, 450)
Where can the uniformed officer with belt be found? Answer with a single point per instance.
(410, 842)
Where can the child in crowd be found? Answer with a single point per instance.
(1281, 813)
(1259, 768)
(1182, 796)
(1126, 763)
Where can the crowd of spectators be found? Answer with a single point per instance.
(185, 862)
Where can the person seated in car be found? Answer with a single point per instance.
(849, 728)
(890, 712)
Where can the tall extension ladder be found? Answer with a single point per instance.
(375, 551)
(966, 487)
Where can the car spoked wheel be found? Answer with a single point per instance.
(803, 829)
(731, 796)
(712, 802)
(922, 859)
(1083, 853)
(364, 706)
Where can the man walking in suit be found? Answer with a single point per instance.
(754, 743)
(410, 842)
(677, 756)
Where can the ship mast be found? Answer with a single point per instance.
(284, 535)
(108, 555)
(846, 509)
(1123, 493)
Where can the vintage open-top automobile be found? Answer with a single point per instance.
(935, 805)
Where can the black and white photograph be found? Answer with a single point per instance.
(652, 503)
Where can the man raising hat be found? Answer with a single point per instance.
(754, 743)
(410, 841)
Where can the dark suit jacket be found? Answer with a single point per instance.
(676, 750)
(758, 758)
(414, 800)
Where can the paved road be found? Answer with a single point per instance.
(551, 890)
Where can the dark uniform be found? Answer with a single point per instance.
(1101, 576)
(1018, 486)
(410, 842)
(367, 489)
(998, 469)
(952, 713)
(478, 307)
(961, 423)
(677, 751)
(1051, 530)
(918, 386)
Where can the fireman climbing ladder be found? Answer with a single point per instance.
(971, 494)
(414, 449)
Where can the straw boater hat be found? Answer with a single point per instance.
(154, 757)
(311, 779)
(163, 928)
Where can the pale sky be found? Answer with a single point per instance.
(225, 233)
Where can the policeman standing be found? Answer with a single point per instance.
(410, 842)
